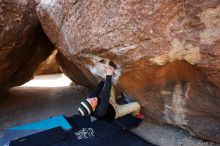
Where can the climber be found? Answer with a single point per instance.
(101, 103)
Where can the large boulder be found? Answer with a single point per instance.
(23, 44)
(167, 54)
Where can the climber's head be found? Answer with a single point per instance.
(88, 106)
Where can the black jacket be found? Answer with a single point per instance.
(104, 110)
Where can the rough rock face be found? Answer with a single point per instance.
(23, 44)
(167, 54)
(49, 66)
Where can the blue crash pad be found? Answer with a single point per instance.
(35, 127)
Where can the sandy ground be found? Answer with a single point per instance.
(29, 104)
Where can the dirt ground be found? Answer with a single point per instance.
(28, 104)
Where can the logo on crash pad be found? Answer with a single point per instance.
(85, 133)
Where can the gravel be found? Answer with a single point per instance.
(28, 104)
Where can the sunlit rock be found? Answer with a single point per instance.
(49, 66)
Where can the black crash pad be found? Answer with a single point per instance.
(86, 131)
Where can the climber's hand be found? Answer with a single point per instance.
(109, 70)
